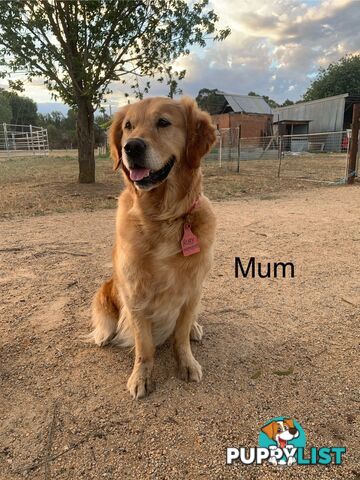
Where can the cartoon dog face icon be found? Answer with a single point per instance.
(281, 432)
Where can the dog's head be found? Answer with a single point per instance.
(281, 431)
(154, 138)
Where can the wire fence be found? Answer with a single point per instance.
(313, 157)
(319, 157)
(23, 140)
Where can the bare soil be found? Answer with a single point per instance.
(285, 346)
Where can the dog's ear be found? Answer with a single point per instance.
(289, 422)
(200, 132)
(270, 430)
(115, 135)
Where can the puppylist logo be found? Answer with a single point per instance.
(282, 441)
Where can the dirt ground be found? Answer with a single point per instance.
(326, 167)
(272, 347)
(36, 186)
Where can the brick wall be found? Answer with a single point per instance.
(256, 125)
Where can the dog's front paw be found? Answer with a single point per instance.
(140, 383)
(190, 370)
(291, 461)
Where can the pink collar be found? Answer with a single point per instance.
(193, 206)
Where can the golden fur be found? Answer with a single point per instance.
(155, 291)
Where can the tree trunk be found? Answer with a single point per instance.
(86, 141)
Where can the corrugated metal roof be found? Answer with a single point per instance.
(246, 103)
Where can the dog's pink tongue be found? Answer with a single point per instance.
(139, 173)
(282, 443)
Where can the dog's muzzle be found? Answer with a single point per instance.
(144, 177)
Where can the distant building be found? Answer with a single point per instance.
(251, 113)
(331, 114)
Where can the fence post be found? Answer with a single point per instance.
(230, 145)
(46, 141)
(6, 138)
(279, 153)
(220, 151)
(238, 149)
(354, 144)
(32, 139)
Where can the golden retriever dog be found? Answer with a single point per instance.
(165, 232)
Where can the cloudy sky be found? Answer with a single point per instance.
(275, 48)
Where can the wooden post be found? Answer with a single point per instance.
(238, 149)
(354, 144)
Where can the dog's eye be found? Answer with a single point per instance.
(162, 123)
(128, 125)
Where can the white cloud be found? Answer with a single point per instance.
(275, 48)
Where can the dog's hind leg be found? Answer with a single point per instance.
(105, 314)
(196, 332)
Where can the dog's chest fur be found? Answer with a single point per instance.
(155, 278)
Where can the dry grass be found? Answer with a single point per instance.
(327, 167)
(39, 185)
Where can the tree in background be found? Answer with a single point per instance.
(213, 102)
(5, 108)
(210, 100)
(287, 103)
(340, 77)
(23, 109)
(62, 130)
(272, 103)
(79, 47)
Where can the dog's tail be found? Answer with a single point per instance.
(108, 318)
(104, 314)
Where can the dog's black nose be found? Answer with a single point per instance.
(293, 431)
(135, 148)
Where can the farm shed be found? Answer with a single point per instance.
(331, 114)
(252, 113)
(292, 127)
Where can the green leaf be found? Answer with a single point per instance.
(283, 373)
(256, 375)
